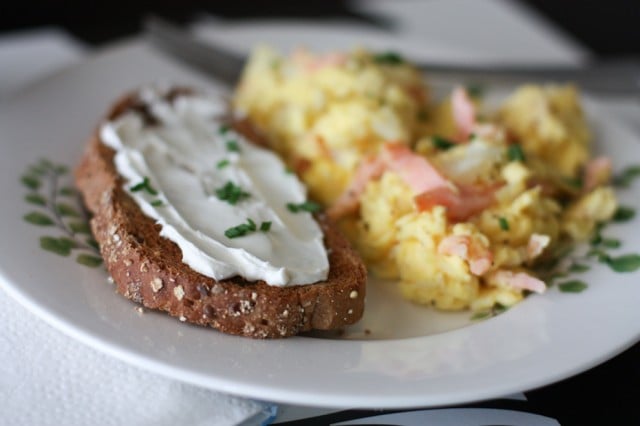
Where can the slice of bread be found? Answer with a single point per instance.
(148, 268)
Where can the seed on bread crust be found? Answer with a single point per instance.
(156, 284)
(178, 292)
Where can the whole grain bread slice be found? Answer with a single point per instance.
(148, 268)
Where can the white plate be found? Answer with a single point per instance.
(412, 356)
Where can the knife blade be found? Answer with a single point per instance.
(605, 77)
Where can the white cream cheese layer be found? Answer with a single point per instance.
(176, 169)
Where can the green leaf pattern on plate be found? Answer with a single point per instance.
(550, 272)
(60, 208)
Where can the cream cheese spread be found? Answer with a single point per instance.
(227, 203)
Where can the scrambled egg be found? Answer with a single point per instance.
(324, 113)
(456, 203)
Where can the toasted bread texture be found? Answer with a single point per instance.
(148, 268)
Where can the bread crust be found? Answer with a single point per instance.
(148, 268)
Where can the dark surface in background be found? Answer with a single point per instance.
(605, 395)
(609, 27)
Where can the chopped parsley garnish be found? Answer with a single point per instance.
(240, 230)
(575, 182)
(222, 164)
(224, 128)
(231, 193)
(307, 206)
(389, 58)
(442, 143)
(288, 170)
(574, 286)
(232, 146)
(625, 178)
(504, 223)
(145, 185)
(475, 90)
(480, 315)
(156, 203)
(515, 153)
(497, 309)
(265, 226)
(246, 228)
(624, 214)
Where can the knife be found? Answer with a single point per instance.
(604, 77)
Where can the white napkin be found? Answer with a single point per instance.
(47, 378)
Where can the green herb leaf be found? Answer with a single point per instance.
(222, 164)
(30, 182)
(611, 243)
(37, 218)
(499, 308)
(60, 169)
(625, 263)
(265, 226)
(223, 129)
(623, 214)
(79, 228)
(480, 315)
(93, 243)
(231, 193)
(67, 190)
(34, 198)
(596, 239)
(232, 146)
(288, 170)
(66, 210)
(56, 245)
(515, 153)
(475, 90)
(89, 260)
(442, 143)
(388, 58)
(504, 224)
(574, 286)
(241, 230)
(67, 242)
(578, 267)
(600, 254)
(307, 206)
(145, 185)
(627, 176)
(574, 182)
(157, 203)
